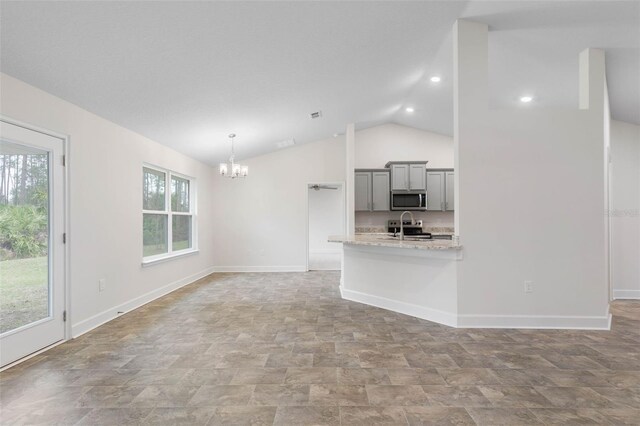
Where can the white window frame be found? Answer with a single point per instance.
(171, 254)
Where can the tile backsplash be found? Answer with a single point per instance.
(379, 220)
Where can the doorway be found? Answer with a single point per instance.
(326, 216)
(32, 254)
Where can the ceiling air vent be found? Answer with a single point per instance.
(316, 114)
(286, 143)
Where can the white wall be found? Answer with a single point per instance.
(105, 235)
(375, 146)
(262, 218)
(625, 214)
(326, 217)
(530, 200)
(392, 142)
(260, 221)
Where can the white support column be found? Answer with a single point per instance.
(350, 153)
(594, 98)
(470, 81)
(510, 164)
(592, 79)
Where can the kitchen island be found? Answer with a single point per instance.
(416, 277)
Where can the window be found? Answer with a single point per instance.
(168, 219)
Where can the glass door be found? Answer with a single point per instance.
(31, 241)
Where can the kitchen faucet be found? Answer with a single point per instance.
(402, 225)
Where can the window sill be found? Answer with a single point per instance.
(156, 260)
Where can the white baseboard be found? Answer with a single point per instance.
(536, 322)
(626, 294)
(298, 268)
(482, 321)
(112, 313)
(441, 317)
(326, 251)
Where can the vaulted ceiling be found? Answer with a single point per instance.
(188, 73)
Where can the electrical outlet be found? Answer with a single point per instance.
(102, 284)
(528, 286)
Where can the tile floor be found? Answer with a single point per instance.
(283, 348)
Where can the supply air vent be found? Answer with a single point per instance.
(315, 115)
(286, 143)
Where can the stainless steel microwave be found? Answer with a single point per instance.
(414, 200)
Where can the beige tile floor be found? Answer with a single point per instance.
(283, 348)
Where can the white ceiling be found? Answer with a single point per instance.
(188, 73)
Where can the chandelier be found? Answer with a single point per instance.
(231, 169)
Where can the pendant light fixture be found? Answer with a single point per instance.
(231, 169)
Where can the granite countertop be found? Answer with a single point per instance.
(437, 230)
(386, 240)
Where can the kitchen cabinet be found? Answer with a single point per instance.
(372, 190)
(408, 177)
(440, 187)
(417, 177)
(400, 177)
(449, 204)
(380, 192)
(435, 191)
(362, 185)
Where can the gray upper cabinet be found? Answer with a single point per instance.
(435, 191)
(408, 177)
(372, 190)
(448, 202)
(400, 177)
(380, 191)
(440, 190)
(362, 191)
(417, 177)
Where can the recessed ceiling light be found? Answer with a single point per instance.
(435, 79)
(409, 109)
(526, 99)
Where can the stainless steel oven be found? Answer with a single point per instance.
(413, 200)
